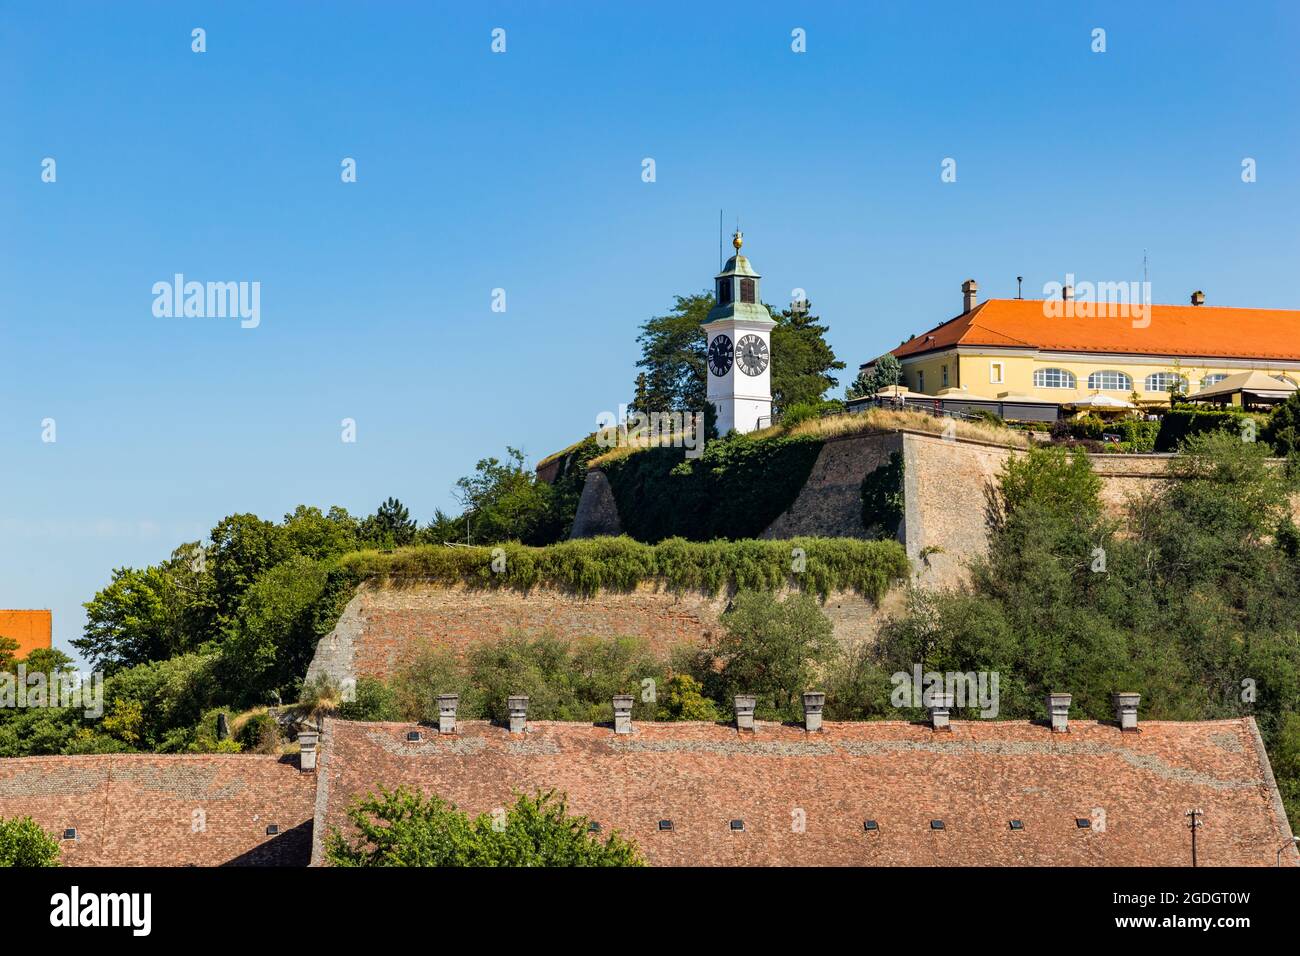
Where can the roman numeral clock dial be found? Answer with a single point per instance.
(720, 355)
(751, 355)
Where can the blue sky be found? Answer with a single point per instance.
(522, 171)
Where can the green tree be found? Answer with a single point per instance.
(405, 828)
(802, 361)
(1283, 428)
(886, 372)
(390, 526)
(139, 617)
(773, 648)
(24, 843)
(505, 501)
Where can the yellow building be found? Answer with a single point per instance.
(1055, 352)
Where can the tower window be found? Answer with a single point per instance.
(724, 291)
(746, 290)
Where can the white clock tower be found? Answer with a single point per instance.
(738, 335)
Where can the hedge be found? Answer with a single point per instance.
(590, 565)
(1183, 421)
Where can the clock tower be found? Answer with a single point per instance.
(738, 337)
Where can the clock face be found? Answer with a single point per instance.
(751, 354)
(720, 355)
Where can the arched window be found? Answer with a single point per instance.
(1110, 382)
(1164, 381)
(1215, 379)
(1053, 378)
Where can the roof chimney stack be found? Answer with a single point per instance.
(1198, 297)
(813, 701)
(518, 707)
(969, 289)
(307, 740)
(1058, 712)
(940, 709)
(1067, 292)
(447, 704)
(1126, 710)
(745, 711)
(622, 713)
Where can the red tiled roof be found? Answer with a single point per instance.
(1179, 330)
(975, 779)
(166, 810)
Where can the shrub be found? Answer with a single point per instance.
(405, 828)
(374, 700)
(24, 843)
(259, 733)
(682, 698)
(1183, 421)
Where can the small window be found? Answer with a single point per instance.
(936, 824)
(724, 291)
(945, 376)
(272, 830)
(413, 736)
(1053, 378)
(747, 290)
(737, 824)
(1083, 823)
(920, 381)
(1110, 382)
(997, 370)
(70, 833)
(593, 827)
(870, 825)
(1017, 825)
(665, 824)
(1164, 381)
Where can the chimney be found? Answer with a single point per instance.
(1067, 292)
(813, 701)
(1198, 297)
(940, 708)
(1126, 710)
(745, 711)
(622, 713)
(447, 704)
(1058, 712)
(969, 289)
(307, 740)
(518, 707)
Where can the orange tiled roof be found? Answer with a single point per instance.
(1180, 330)
(144, 809)
(976, 779)
(31, 629)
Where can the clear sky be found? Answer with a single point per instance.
(523, 171)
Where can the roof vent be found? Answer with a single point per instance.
(413, 736)
(1198, 297)
(969, 290)
(518, 707)
(273, 829)
(745, 704)
(665, 825)
(593, 827)
(70, 833)
(1083, 823)
(1126, 710)
(1017, 825)
(1058, 712)
(447, 704)
(870, 826)
(940, 710)
(737, 825)
(936, 824)
(813, 702)
(622, 713)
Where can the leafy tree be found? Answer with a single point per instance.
(390, 526)
(139, 617)
(802, 363)
(504, 501)
(772, 648)
(405, 828)
(24, 843)
(1283, 428)
(886, 372)
(317, 535)
(683, 699)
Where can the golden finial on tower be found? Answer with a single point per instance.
(738, 240)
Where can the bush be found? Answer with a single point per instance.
(1139, 435)
(683, 699)
(406, 828)
(259, 733)
(1183, 421)
(24, 843)
(374, 700)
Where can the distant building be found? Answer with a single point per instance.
(1038, 356)
(31, 629)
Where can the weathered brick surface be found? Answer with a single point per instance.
(166, 810)
(382, 627)
(976, 779)
(830, 502)
(597, 510)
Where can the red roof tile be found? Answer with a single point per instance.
(1176, 330)
(979, 777)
